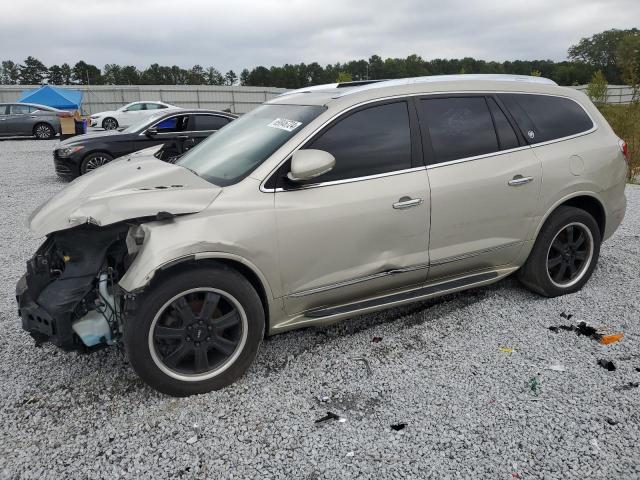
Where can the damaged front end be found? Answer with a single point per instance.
(69, 295)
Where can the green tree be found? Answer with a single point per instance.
(112, 73)
(244, 76)
(55, 75)
(33, 72)
(628, 60)
(214, 77)
(230, 78)
(196, 76)
(536, 73)
(600, 51)
(10, 73)
(66, 72)
(86, 74)
(597, 88)
(129, 75)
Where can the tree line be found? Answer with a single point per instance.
(614, 53)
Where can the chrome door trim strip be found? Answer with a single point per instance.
(428, 167)
(354, 281)
(475, 253)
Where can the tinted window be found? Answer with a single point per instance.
(172, 124)
(154, 106)
(506, 136)
(545, 117)
(459, 127)
(20, 109)
(208, 122)
(134, 108)
(4, 109)
(368, 142)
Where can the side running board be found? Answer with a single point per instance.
(401, 297)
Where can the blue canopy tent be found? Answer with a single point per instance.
(53, 97)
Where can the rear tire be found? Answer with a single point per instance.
(564, 255)
(196, 331)
(109, 123)
(93, 161)
(43, 131)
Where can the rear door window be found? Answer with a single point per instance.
(21, 109)
(368, 142)
(208, 122)
(546, 117)
(459, 127)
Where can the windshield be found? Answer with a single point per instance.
(142, 123)
(229, 155)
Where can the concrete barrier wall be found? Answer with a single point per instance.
(111, 97)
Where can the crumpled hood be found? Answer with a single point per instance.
(127, 188)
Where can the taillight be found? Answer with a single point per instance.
(624, 149)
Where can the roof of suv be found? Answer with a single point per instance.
(355, 92)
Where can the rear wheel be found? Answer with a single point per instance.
(93, 161)
(43, 131)
(109, 123)
(564, 255)
(196, 331)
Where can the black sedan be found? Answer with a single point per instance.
(176, 130)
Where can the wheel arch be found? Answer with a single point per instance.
(586, 201)
(255, 277)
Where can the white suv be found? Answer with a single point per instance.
(320, 205)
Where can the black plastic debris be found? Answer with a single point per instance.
(611, 421)
(567, 316)
(607, 364)
(376, 339)
(398, 426)
(637, 369)
(327, 417)
(581, 329)
(627, 386)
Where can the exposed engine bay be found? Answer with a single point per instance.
(70, 295)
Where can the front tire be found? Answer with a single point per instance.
(564, 255)
(44, 131)
(109, 123)
(93, 161)
(196, 331)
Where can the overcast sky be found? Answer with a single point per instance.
(234, 34)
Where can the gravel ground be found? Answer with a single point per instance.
(471, 409)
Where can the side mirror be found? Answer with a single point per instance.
(308, 164)
(151, 132)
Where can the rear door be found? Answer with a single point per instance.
(362, 228)
(20, 121)
(485, 183)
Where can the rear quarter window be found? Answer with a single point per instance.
(545, 117)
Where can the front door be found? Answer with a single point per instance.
(4, 116)
(485, 184)
(362, 228)
(19, 122)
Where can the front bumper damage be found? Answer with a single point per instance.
(68, 296)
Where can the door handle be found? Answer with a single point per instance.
(519, 180)
(407, 202)
(33, 116)
(183, 137)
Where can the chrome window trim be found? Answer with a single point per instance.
(435, 165)
(354, 281)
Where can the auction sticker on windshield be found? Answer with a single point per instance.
(285, 124)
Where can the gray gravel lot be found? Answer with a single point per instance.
(470, 409)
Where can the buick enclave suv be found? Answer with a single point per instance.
(322, 204)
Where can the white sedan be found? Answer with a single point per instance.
(128, 115)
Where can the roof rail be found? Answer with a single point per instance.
(360, 85)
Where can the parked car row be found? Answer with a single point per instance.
(319, 205)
